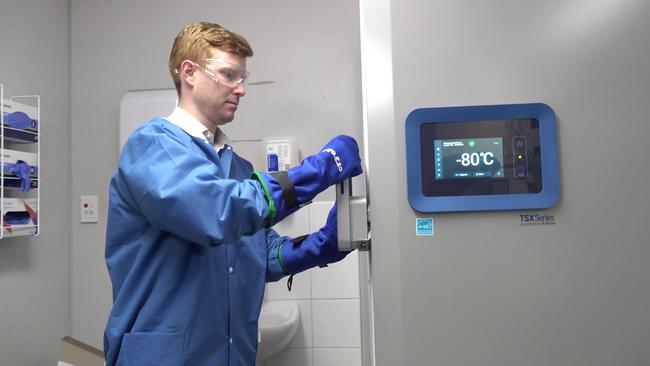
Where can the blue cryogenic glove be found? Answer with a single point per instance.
(287, 191)
(317, 249)
(21, 170)
(18, 120)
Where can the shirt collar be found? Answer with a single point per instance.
(193, 127)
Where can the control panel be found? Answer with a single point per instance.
(480, 158)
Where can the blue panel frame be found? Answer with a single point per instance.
(546, 198)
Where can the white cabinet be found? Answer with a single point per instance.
(20, 152)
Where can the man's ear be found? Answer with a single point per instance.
(188, 72)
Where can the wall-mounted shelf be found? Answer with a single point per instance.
(20, 155)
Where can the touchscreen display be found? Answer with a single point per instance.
(469, 158)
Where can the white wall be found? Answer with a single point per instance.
(330, 330)
(35, 271)
(310, 50)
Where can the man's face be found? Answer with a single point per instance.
(218, 87)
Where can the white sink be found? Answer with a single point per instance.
(278, 323)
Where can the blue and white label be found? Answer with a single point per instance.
(272, 163)
(424, 226)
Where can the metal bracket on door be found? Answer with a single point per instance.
(352, 219)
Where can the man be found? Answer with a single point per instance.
(189, 245)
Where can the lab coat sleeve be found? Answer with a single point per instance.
(274, 270)
(178, 190)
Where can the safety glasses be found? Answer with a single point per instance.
(222, 72)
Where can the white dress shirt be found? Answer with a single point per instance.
(193, 127)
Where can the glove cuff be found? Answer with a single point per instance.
(280, 195)
(284, 268)
(294, 258)
(288, 190)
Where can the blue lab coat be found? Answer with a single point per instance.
(188, 253)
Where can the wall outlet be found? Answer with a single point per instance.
(89, 209)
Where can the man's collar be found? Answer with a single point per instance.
(194, 128)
